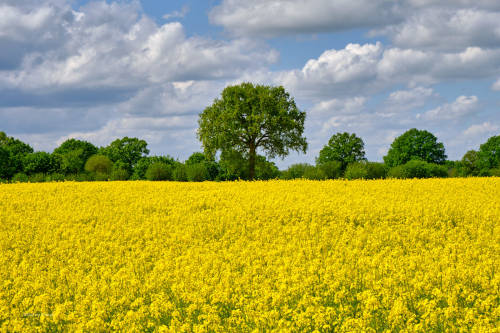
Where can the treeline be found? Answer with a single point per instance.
(415, 154)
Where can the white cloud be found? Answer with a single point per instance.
(462, 106)
(177, 13)
(279, 17)
(481, 129)
(446, 29)
(496, 85)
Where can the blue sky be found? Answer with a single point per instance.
(100, 70)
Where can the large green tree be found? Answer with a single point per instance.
(342, 147)
(415, 144)
(250, 117)
(72, 155)
(17, 151)
(489, 154)
(127, 150)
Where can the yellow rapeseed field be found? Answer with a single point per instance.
(343, 256)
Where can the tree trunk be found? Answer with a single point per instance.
(251, 160)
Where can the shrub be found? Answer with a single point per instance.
(37, 178)
(295, 171)
(159, 171)
(397, 172)
(20, 178)
(376, 170)
(197, 172)
(418, 169)
(179, 173)
(332, 169)
(119, 174)
(314, 173)
(357, 170)
(54, 177)
(99, 164)
(495, 172)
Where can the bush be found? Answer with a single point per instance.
(376, 170)
(314, 173)
(495, 172)
(179, 173)
(197, 172)
(99, 164)
(332, 169)
(119, 174)
(101, 177)
(37, 178)
(418, 169)
(159, 171)
(357, 170)
(20, 178)
(295, 171)
(54, 177)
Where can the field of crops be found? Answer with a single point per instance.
(414, 255)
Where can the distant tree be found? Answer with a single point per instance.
(127, 150)
(99, 164)
(159, 171)
(489, 155)
(332, 169)
(233, 165)
(342, 147)
(17, 150)
(4, 163)
(208, 162)
(415, 144)
(249, 117)
(469, 163)
(143, 164)
(39, 162)
(72, 155)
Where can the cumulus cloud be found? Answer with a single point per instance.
(496, 85)
(177, 13)
(281, 17)
(462, 106)
(481, 129)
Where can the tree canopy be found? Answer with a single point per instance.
(343, 147)
(249, 117)
(415, 144)
(489, 154)
(126, 150)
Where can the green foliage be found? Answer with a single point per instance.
(55, 177)
(99, 164)
(39, 162)
(196, 158)
(495, 172)
(247, 118)
(314, 173)
(489, 155)
(197, 172)
(119, 174)
(332, 169)
(5, 163)
(179, 172)
(342, 147)
(418, 169)
(470, 163)
(143, 164)
(72, 154)
(295, 171)
(415, 144)
(37, 178)
(17, 151)
(126, 150)
(376, 170)
(159, 171)
(20, 177)
(357, 170)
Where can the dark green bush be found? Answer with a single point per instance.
(295, 171)
(332, 169)
(376, 170)
(418, 169)
(159, 171)
(197, 172)
(119, 174)
(495, 172)
(358, 170)
(179, 173)
(54, 177)
(20, 178)
(314, 173)
(99, 164)
(37, 178)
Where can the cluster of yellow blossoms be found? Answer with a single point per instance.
(380, 256)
